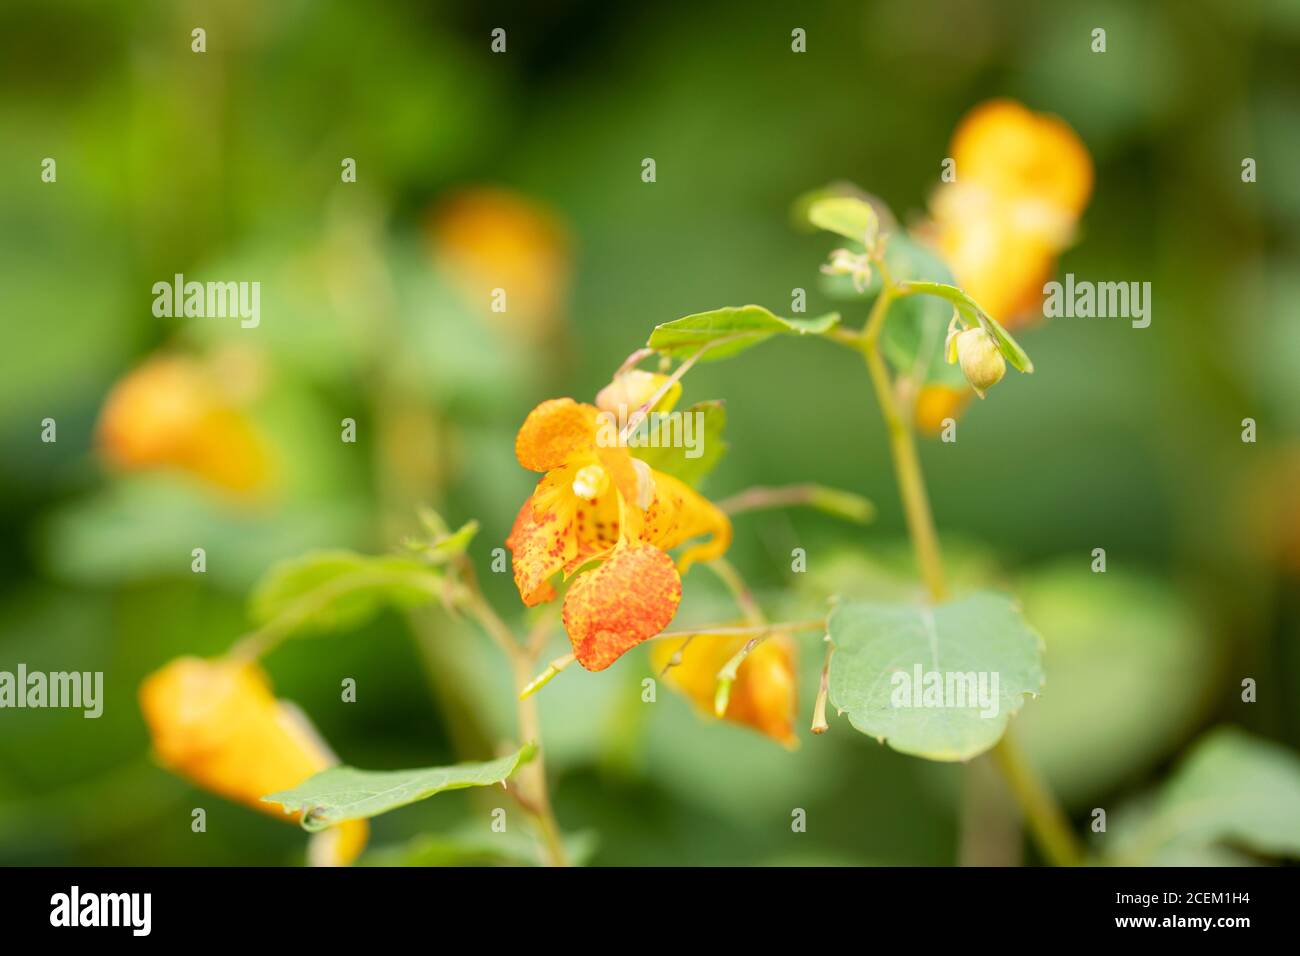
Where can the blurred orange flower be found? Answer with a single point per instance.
(596, 503)
(178, 412)
(764, 694)
(492, 238)
(1022, 181)
(934, 403)
(217, 723)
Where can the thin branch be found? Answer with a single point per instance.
(819, 725)
(545, 677)
(760, 498)
(1046, 820)
(842, 504)
(729, 630)
(744, 597)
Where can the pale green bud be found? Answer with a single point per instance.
(981, 360)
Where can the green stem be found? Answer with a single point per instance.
(1046, 820)
(532, 776)
(907, 466)
(744, 598)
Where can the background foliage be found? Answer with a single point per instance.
(227, 165)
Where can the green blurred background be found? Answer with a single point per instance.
(226, 165)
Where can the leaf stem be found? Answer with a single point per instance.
(538, 794)
(740, 591)
(731, 630)
(1050, 827)
(842, 504)
(541, 680)
(643, 410)
(535, 796)
(819, 725)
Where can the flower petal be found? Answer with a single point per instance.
(554, 433)
(764, 694)
(679, 513)
(613, 608)
(1022, 154)
(338, 845)
(217, 723)
(540, 543)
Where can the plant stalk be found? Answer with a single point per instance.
(1046, 820)
(532, 776)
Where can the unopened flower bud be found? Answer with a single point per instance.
(981, 360)
(632, 389)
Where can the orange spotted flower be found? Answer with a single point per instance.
(218, 724)
(1022, 179)
(608, 518)
(764, 694)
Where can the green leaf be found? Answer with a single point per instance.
(333, 590)
(971, 312)
(801, 208)
(676, 460)
(457, 542)
(967, 643)
(728, 331)
(845, 216)
(346, 793)
(1232, 790)
(441, 545)
(1009, 347)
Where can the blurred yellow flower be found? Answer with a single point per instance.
(764, 695)
(217, 723)
(491, 238)
(1022, 179)
(178, 412)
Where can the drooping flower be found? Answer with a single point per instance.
(1022, 181)
(764, 694)
(218, 724)
(181, 413)
(598, 505)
